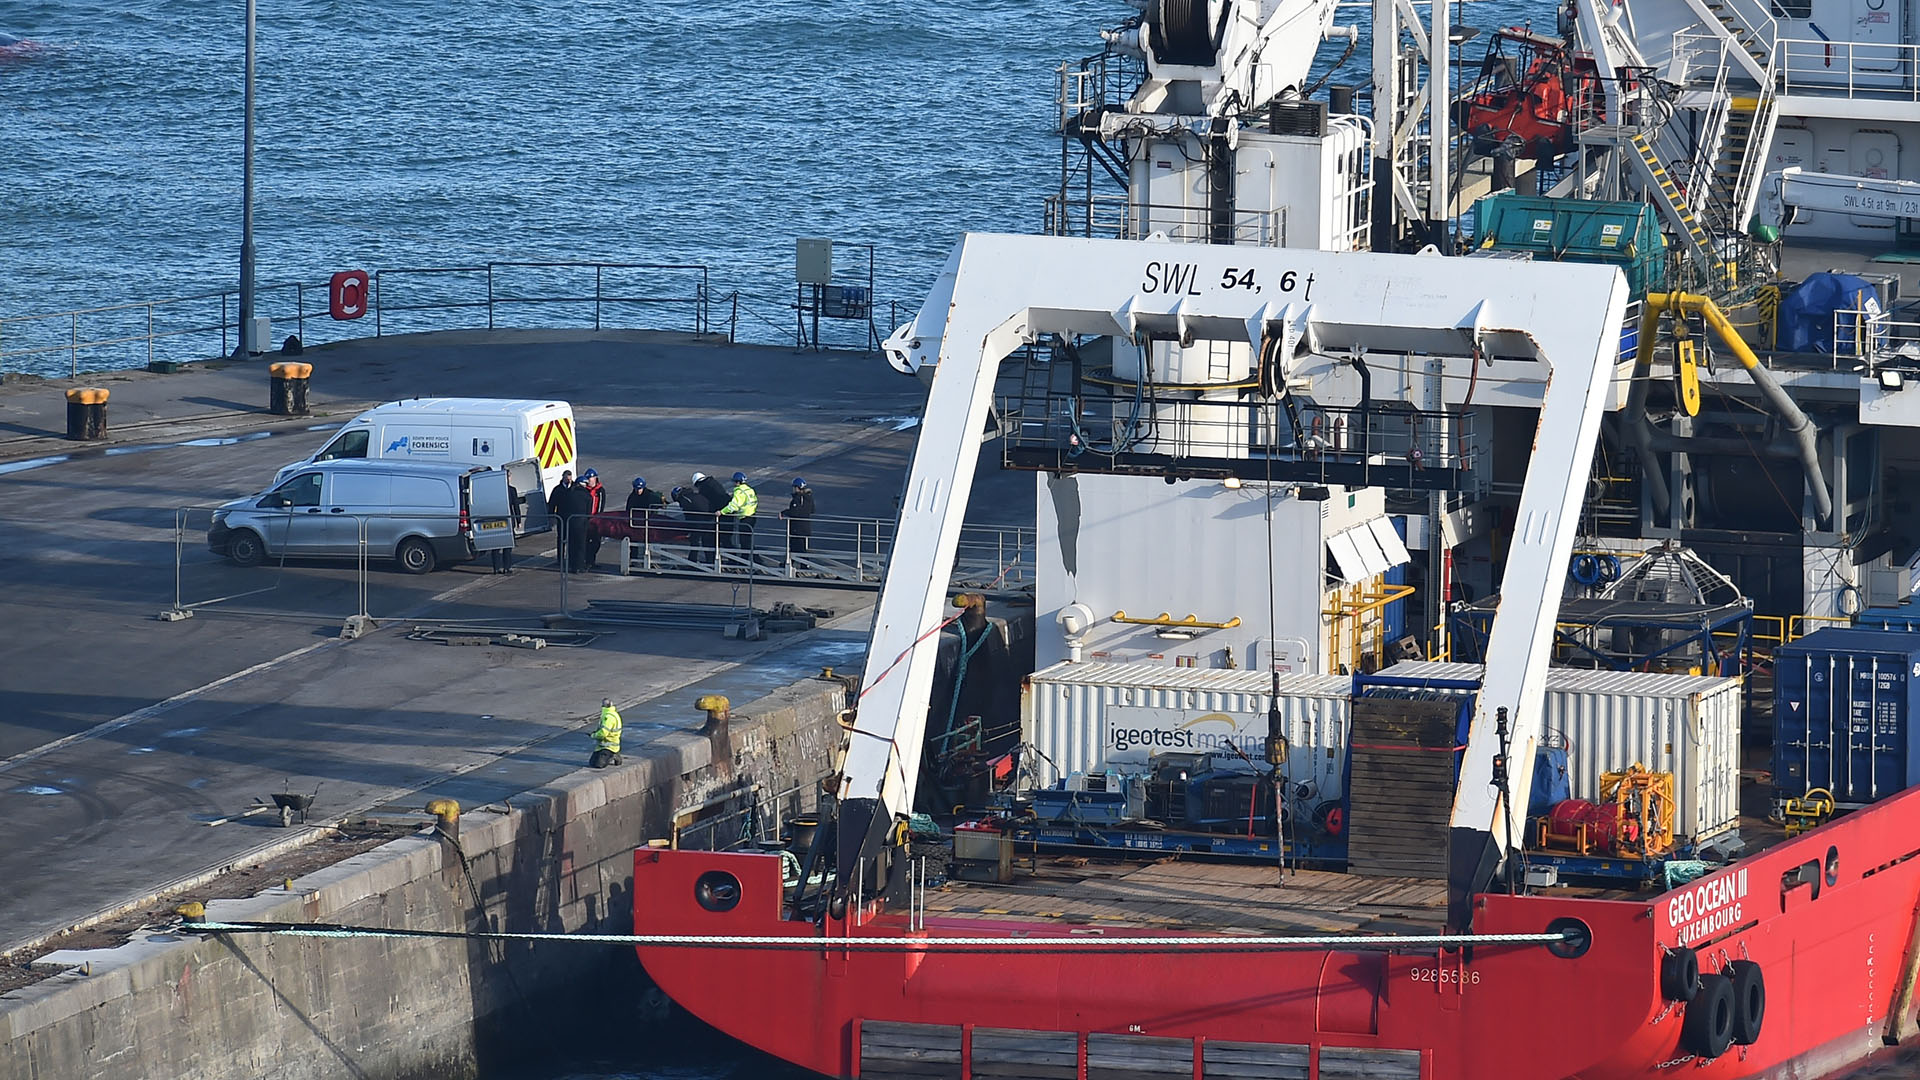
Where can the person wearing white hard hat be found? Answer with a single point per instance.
(716, 496)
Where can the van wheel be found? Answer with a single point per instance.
(415, 556)
(246, 548)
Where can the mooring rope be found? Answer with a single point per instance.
(1086, 943)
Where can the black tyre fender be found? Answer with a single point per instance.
(1749, 1001)
(1680, 975)
(246, 548)
(1707, 1030)
(415, 556)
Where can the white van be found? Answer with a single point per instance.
(419, 514)
(461, 431)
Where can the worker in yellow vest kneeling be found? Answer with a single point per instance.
(606, 736)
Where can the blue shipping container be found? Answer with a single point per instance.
(1843, 702)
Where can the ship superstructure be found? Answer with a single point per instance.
(1574, 370)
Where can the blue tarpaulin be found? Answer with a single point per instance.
(1806, 316)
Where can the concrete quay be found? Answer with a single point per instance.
(123, 739)
(558, 859)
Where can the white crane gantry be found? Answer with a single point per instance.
(1554, 326)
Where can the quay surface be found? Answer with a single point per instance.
(123, 737)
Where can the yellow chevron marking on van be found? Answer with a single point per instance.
(553, 443)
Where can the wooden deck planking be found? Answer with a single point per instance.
(1218, 897)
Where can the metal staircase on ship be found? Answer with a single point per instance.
(1692, 139)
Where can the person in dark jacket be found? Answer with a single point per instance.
(717, 496)
(598, 493)
(799, 515)
(644, 497)
(503, 557)
(699, 515)
(570, 504)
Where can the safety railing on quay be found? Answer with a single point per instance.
(507, 290)
(149, 333)
(321, 561)
(202, 326)
(829, 551)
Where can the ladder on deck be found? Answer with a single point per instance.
(1672, 203)
(1751, 33)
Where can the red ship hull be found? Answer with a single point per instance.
(1829, 916)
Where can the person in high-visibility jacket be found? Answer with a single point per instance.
(740, 510)
(607, 736)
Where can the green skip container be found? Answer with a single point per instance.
(1622, 234)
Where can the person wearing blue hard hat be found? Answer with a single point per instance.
(597, 496)
(799, 515)
(742, 504)
(644, 497)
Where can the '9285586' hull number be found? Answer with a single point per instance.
(1445, 975)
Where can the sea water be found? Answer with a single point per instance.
(411, 133)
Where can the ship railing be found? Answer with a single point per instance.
(997, 559)
(1847, 68)
(1387, 444)
(596, 295)
(1116, 216)
(1870, 338)
(749, 818)
(1707, 52)
(1750, 25)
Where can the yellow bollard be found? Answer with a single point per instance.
(87, 414)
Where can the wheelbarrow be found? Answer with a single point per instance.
(292, 804)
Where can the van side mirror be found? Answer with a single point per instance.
(276, 502)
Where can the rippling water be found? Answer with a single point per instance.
(411, 133)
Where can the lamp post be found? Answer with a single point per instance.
(248, 346)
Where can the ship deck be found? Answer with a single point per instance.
(1194, 895)
(1214, 896)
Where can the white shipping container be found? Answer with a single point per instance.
(1083, 717)
(1688, 725)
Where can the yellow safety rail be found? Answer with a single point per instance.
(1357, 619)
(1191, 622)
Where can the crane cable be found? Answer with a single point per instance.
(1124, 945)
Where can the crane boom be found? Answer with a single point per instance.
(1792, 189)
(1555, 325)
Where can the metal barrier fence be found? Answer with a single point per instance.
(835, 551)
(315, 561)
(644, 296)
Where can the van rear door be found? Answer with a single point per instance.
(490, 509)
(530, 491)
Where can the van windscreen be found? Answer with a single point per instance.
(350, 444)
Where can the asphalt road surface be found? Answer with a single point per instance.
(121, 735)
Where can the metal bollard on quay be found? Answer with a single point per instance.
(87, 414)
(287, 394)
